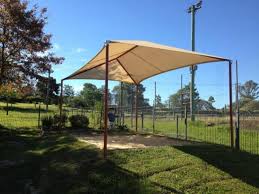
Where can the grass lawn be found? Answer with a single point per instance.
(25, 115)
(58, 163)
(200, 131)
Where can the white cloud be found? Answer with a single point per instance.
(80, 50)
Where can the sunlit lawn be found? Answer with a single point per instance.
(219, 133)
(58, 163)
(23, 115)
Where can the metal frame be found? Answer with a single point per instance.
(136, 107)
(230, 106)
(106, 100)
(105, 134)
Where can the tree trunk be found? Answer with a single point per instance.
(2, 60)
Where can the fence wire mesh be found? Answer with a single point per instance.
(210, 127)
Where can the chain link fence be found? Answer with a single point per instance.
(210, 127)
(29, 115)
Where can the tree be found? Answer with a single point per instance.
(203, 105)
(252, 105)
(24, 46)
(175, 100)
(90, 95)
(159, 103)
(13, 93)
(128, 91)
(77, 102)
(9, 92)
(69, 93)
(249, 91)
(53, 89)
(129, 95)
(211, 100)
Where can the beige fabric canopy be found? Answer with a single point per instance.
(135, 61)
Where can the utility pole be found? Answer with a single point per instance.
(192, 10)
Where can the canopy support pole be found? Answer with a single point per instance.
(230, 106)
(61, 103)
(106, 101)
(237, 111)
(136, 107)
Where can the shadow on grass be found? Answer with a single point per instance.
(58, 163)
(25, 109)
(241, 165)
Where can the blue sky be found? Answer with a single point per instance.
(225, 28)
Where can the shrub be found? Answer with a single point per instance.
(79, 121)
(47, 122)
(122, 128)
(53, 122)
(57, 120)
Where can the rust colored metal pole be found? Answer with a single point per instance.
(61, 103)
(230, 106)
(132, 107)
(136, 106)
(106, 102)
(154, 111)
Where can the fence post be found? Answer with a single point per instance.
(101, 117)
(132, 107)
(123, 118)
(177, 126)
(142, 120)
(39, 117)
(185, 121)
(7, 107)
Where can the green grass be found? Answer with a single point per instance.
(58, 163)
(25, 115)
(22, 115)
(199, 130)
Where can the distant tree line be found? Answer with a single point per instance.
(91, 96)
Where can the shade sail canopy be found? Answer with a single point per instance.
(135, 61)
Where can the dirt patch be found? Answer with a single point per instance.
(126, 141)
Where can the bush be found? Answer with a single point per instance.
(53, 122)
(57, 120)
(47, 122)
(79, 121)
(122, 128)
